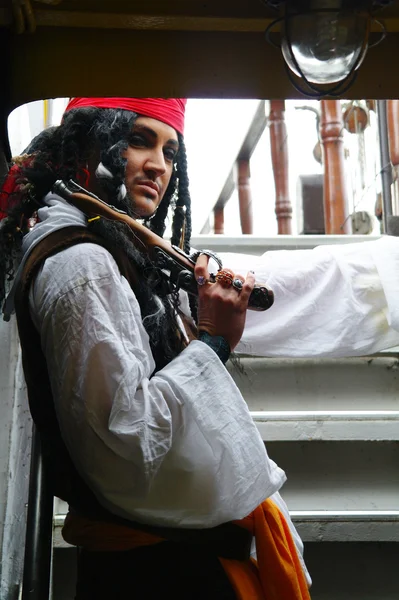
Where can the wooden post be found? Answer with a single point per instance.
(218, 213)
(244, 195)
(279, 151)
(392, 110)
(335, 193)
(393, 130)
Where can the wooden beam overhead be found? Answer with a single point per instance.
(96, 20)
(196, 48)
(93, 62)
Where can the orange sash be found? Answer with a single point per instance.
(277, 575)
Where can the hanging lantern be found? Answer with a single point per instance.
(324, 42)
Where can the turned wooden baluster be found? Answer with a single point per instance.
(393, 130)
(393, 138)
(244, 195)
(279, 152)
(218, 213)
(335, 193)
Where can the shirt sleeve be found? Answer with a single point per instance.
(335, 301)
(178, 448)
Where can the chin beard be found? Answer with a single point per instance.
(121, 198)
(131, 204)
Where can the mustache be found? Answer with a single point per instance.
(149, 182)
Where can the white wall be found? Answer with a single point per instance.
(15, 434)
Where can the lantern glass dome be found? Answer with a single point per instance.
(325, 45)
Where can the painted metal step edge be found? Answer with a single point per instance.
(327, 425)
(325, 415)
(388, 352)
(347, 526)
(258, 244)
(345, 515)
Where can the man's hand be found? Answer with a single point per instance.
(222, 306)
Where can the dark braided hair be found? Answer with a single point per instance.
(181, 227)
(101, 134)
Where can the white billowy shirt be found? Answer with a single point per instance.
(179, 448)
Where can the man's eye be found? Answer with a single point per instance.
(137, 140)
(170, 154)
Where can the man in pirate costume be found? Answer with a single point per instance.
(144, 433)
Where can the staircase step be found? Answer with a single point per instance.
(347, 526)
(338, 476)
(278, 384)
(366, 425)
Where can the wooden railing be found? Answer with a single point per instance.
(335, 193)
(240, 173)
(239, 177)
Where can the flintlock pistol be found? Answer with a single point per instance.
(176, 266)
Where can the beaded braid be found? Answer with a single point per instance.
(182, 214)
(181, 225)
(113, 133)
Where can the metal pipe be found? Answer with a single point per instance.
(386, 169)
(39, 529)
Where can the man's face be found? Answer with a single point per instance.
(153, 146)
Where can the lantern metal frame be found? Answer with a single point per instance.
(309, 88)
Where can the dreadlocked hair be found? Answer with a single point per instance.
(181, 225)
(63, 152)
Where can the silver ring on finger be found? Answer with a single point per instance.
(201, 280)
(237, 284)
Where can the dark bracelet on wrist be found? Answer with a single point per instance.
(218, 344)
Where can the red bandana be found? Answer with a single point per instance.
(167, 110)
(10, 187)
